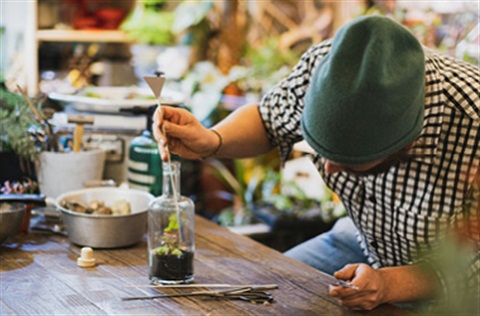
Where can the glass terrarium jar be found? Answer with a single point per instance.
(171, 243)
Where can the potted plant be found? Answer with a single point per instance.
(17, 148)
(261, 195)
(164, 34)
(241, 191)
(291, 214)
(30, 140)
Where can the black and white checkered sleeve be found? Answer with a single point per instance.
(281, 108)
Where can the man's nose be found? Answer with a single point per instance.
(331, 168)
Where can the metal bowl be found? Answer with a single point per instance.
(11, 218)
(106, 231)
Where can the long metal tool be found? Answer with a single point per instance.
(219, 285)
(156, 85)
(249, 294)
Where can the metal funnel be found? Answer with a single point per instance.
(156, 85)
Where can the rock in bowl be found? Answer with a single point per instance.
(11, 218)
(105, 230)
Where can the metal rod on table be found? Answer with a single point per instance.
(177, 286)
(341, 283)
(250, 294)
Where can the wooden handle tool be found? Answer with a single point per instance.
(79, 122)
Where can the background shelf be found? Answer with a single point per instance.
(82, 36)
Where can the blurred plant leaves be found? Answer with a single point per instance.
(190, 13)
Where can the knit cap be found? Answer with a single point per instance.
(365, 100)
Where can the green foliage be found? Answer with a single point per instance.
(169, 246)
(243, 182)
(268, 58)
(229, 178)
(190, 13)
(169, 238)
(147, 25)
(267, 65)
(258, 184)
(296, 199)
(152, 3)
(15, 118)
(172, 223)
(452, 259)
(229, 218)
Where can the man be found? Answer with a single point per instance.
(396, 131)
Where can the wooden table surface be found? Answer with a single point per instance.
(39, 276)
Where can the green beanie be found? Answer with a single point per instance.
(366, 98)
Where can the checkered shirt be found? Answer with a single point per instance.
(399, 213)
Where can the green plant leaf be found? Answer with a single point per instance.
(176, 252)
(145, 25)
(172, 223)
(227, 176)
(162, 251)
(15, 119)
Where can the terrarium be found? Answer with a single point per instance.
(171, 243)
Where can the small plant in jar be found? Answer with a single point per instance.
(171, 232)
(170, 240)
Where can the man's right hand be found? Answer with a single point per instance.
(182, 133)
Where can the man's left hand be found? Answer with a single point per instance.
(406, 283)
(372, 287)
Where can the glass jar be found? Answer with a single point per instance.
(171, 243)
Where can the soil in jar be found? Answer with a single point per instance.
(172, 267)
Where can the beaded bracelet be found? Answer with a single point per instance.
(220, 143)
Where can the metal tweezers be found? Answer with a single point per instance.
(338, 282)
(256, 295)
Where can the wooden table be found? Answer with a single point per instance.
(39, 276)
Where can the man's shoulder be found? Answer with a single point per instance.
(446, 64)
(323, 45)
(456, 80)
(319, 49)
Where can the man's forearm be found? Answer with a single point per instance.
(243, 134)
(409, 283)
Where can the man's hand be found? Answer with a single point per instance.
(371, 284)
(182, 133)
(385, 285)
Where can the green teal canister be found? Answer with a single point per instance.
(145, 164)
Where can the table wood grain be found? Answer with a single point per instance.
(39, 276)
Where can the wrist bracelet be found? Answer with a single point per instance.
(220, 143)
